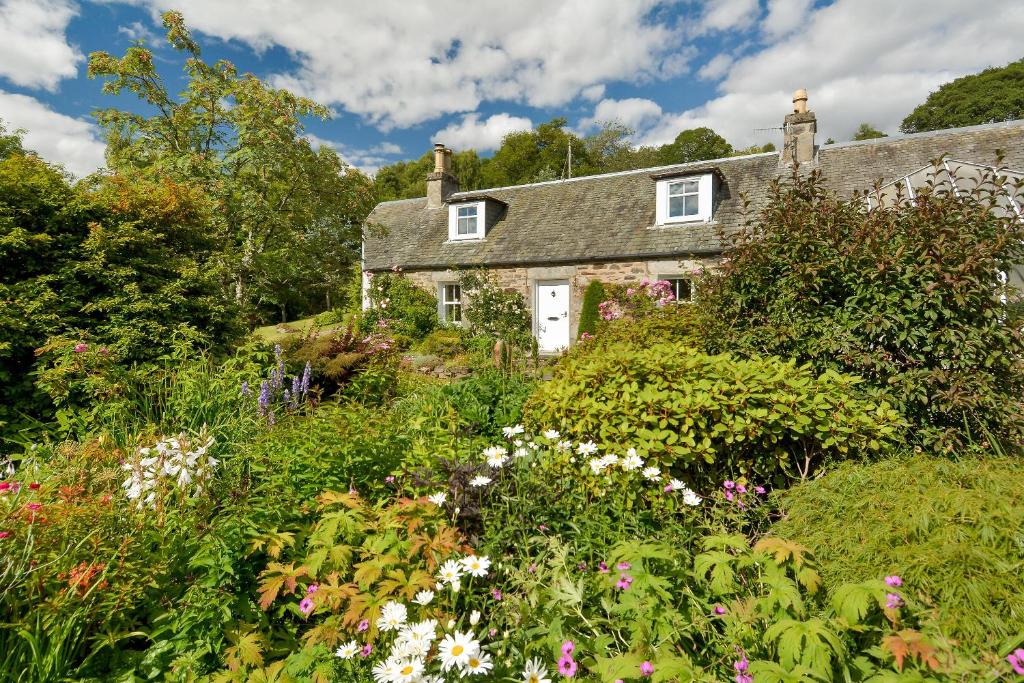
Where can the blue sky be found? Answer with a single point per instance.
(401, 74)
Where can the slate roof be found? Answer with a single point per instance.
(612, 216)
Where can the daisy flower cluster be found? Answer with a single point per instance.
(451, 572)
(631, 462)
(176, 462)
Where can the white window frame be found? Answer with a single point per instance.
(681, 276)
(443, 302)
(705, 199)
(453, 221)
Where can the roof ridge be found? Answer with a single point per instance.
(925, 134)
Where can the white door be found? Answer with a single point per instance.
(552, 314)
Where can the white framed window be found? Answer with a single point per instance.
(682, 287)
(685, 199)
(449, 303)
(466, 221)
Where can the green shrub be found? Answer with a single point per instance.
(667, 324)
(446, 342)
(336, 357)
(398, 307)
(593, 295)
(908, 297)
(711, 415)
(495, 312)
(953, 530)
(331, 317)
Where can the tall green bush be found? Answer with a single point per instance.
(593, 295)
(711, 416)
(399, 307)
(906, 296)
(953, 530)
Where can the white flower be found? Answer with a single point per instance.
(392, 616)
(456, 585)
(535, 672)
(533, 445)
(563, 446)
(632, 461)
(456, 649)
(478, 664)
(479, 481)
(587, 448)
(551, 434)
(652, 473)
(425, 630)
(476, 566)
(517, 443)
(438, 498)
(597, 465)
(474, 617)
(450, 571)
(408, 671)
(423, 598)
(348, 650)
(509, 432)
(386, 671)
(677, 485)
(496, 456)
(691, 498)
(520, 453)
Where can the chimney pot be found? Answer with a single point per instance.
(439, 157)
(440, 182)
(798, 133)
(800, 101)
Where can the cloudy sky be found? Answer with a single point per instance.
(401, 74)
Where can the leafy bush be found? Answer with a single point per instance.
(335, 357)
(906, 296)
(495, 312)
(665, 324)
(952, 529)
(712, 415)
(399, 307)
(446, 342)
(593, 295)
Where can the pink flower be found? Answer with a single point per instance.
(624, 582)
(1016, 660)
(493, 632)
(584, 337)
(728, 484)
(4, 534)
(567, 666)
(542, 527)
(719, 610)
(389, 479)
(532, 569)
(893, 601)
(729, 495)
(759, 490)
(668, 488)
(307, 605)
(646, 669)
(742, 665)
(568, 647)
(367, 649)
(363, 625)
(104, 351)
(893, 581)
(81, 348)
(313, 588)
(34, 485)
(623, 566)
(5, 485)
(740, 488)
(34, 506)
(602, 567)
(496, 594)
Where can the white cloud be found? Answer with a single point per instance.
(855, 67)
(723, 15)
(592, 93)
(139, 31)
(472, 133)
(34, 52)
(784, 16)
(366, 160)
(716, 67)
(399, 63)
(634, 112)
(61, 139)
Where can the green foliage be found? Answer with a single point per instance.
(399, 307)
(593, 295)
(664, 324)
(446, 342)
(906, 296)
(712, 416)
(868, 132)
(336, 356)
(495, 312)
(286, 218)
(995, 94)
(951, 529)
(695, 144)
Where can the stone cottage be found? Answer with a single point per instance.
(548, 240)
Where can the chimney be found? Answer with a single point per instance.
(798, 138)
(441, 183)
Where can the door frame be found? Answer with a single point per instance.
(536, 310)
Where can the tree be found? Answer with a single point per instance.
(995, 94)
(868, 132)
(243, 144)
(695, 144)
(537, 155)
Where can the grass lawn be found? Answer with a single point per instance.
(280, 331)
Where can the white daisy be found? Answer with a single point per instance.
(456, 649)
(450, 571)
(509, 432)
(408, 671)
(496, 456)
(386, 671)
(520, 453)
(587, 448)
(423, 598)
(597, 465)
(691, 498)
(476, 566)
(456, 585)
(652, 473)
(563, 446)
(479, 481)
(517, 443)
(551, 434)
(677, 485)
(392, 616)
(425, 630)
(348, 650)
(474, 617)
(610, 460)
(535, 672)
(438, 498)
(632, 461)
(478, 665)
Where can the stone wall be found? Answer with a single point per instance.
(523, 279)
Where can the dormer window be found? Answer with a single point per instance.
(466, 221)
(685, 199)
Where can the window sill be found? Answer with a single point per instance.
(457, 240)
(692, 221)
